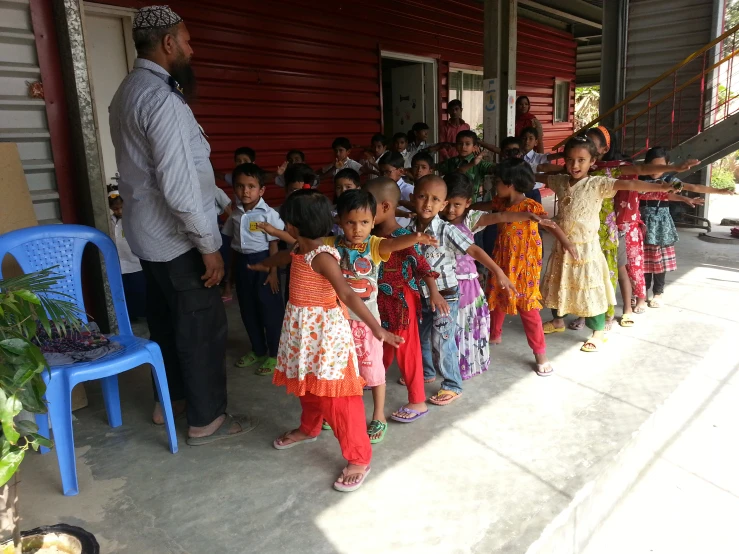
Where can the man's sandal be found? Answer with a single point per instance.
(577, 325)
(626, 321)
(246, 423)
(654, 303)
(401, 381)
(439, 400)
(250, 359)
(549, 328)
(593, 344)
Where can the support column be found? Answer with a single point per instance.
(92, 194)
(613, 57)
(499, 69)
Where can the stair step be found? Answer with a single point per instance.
(10, 101)
(36, 166)
(14, 69)
(16, 35)
(44, 195)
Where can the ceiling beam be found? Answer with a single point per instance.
(560, 13)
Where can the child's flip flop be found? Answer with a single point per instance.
(549, 328)
(341, 487)
(626, 321)
(541, 369)
(414, 415)
(452, 396)
(377, 427)
(279, 446)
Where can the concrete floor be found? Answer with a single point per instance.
(485, 474)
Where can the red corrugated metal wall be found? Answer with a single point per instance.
(298, 73)
(543, 55)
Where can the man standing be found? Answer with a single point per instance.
(168, 188)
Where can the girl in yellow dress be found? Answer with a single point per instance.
(579, 282)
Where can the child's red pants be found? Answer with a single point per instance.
(531, 325)
(345, 415)
(409, 356)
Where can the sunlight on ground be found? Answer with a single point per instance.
(484, 453)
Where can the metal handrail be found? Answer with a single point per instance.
(657, 80)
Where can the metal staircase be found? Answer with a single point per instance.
(692, 109)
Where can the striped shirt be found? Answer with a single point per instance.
(442, 258)
(167, 181)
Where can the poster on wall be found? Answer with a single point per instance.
(511, 117)
(490, 111)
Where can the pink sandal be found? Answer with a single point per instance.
(341, 487)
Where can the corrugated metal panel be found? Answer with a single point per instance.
(660, 35)
(588, 64)
(298, 73)
(23, 119)
(544, 55)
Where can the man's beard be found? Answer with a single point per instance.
(182, 72)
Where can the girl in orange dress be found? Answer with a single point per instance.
(518, 253)
(316, 360)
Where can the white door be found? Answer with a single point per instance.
(409, 104)
(109, 57)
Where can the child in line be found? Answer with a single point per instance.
(293, 157)
(344, 180)
(134, 283)
(473, 322)
(399, 300)
(438, 329)
(518, 251)
(418, 138)
(361, 256)
(317, 359)
(539, 162)
(449, 129)
(422, 164)
(374, 155)
(470, 162)
(242, 155)
(400, 145)
(393, 167)
(260, 302)
(579, 282)
(661, 235)
(298, 176)
(342, 148)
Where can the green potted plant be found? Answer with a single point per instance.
(24, 305)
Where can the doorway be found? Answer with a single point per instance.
(409, 93)
(110, 56)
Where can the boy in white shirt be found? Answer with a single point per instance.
(393, 167)
(134, 282)
(400, 145)
(260, 302)
(342, 148)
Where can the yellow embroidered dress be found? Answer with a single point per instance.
(579, 287)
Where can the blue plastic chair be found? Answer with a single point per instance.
(45, 246)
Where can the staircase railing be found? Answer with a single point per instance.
(695, 94)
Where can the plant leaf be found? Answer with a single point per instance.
(9, 464)
(8, 410)
(26, 427)
(28, 296)
(32, 397)
(36, 440)
(15, 346)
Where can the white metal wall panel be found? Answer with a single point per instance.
(661, 34)
(22, 118)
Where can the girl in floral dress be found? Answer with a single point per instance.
(317, 361)
(473, 319)
(518, 253)
(577, 280)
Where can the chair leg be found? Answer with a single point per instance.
(160, 379)
(42, 420)
(59, 396)
(112, 400)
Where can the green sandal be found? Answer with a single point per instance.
(326, 426)
(250, 359)
(267, 368)
(376, 427)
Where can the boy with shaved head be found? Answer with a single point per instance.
(399, 300)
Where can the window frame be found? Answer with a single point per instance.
(557, 83)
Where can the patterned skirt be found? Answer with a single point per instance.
(659, 259)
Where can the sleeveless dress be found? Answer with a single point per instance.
(473, 318)
(316, 353)
(518, 252)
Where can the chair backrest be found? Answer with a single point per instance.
(45, 246)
